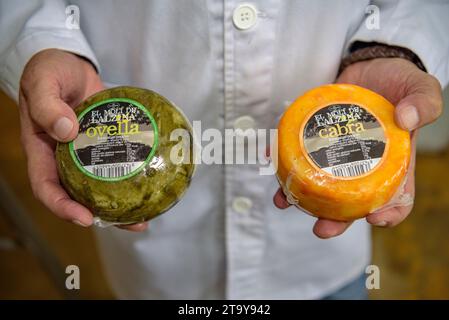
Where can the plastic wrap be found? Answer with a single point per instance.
(341, 155)
(121, 165)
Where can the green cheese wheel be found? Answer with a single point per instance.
(121, 165)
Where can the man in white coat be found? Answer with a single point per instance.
(230, 64)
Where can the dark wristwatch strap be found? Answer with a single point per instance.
(362, 51)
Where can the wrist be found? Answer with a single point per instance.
(361, 51)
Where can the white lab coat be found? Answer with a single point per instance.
(209, 245)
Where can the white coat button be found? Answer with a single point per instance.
(245, 16)
(242, 205)
(244, 123)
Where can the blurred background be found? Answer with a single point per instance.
(36, 247)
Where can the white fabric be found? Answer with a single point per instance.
(191, 52)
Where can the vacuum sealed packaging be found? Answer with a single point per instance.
(124, 164)
(340, 154)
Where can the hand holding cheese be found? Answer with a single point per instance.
(341, 155)
(53, 82)
(418, 101)
(121, 164)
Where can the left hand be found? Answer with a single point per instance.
(418, 100)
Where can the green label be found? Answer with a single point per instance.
(116, 139)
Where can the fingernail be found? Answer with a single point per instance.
(380, 224)
(139, 225)
(409, 117)
(79, 223)
(142, 225)
(63, 127)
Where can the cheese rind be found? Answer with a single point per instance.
(318, 191)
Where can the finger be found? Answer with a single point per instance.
(45, 183)
(46, 188)
(138, 227)
(422, 104)
(49, 111)
(389, 217)
(51, 194)
(326, 229)
(280, 200)
(44, 177)
(393, 216)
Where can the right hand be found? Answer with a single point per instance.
(53, 83)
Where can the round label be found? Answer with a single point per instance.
(344, 140)
(116, 139)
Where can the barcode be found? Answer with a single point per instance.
(352, 170)
(112, 172)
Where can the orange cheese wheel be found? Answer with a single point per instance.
(340, 154)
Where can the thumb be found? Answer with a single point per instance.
(422, 104)
(52, 114)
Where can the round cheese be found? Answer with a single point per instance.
(120, 165)
(340, 154)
